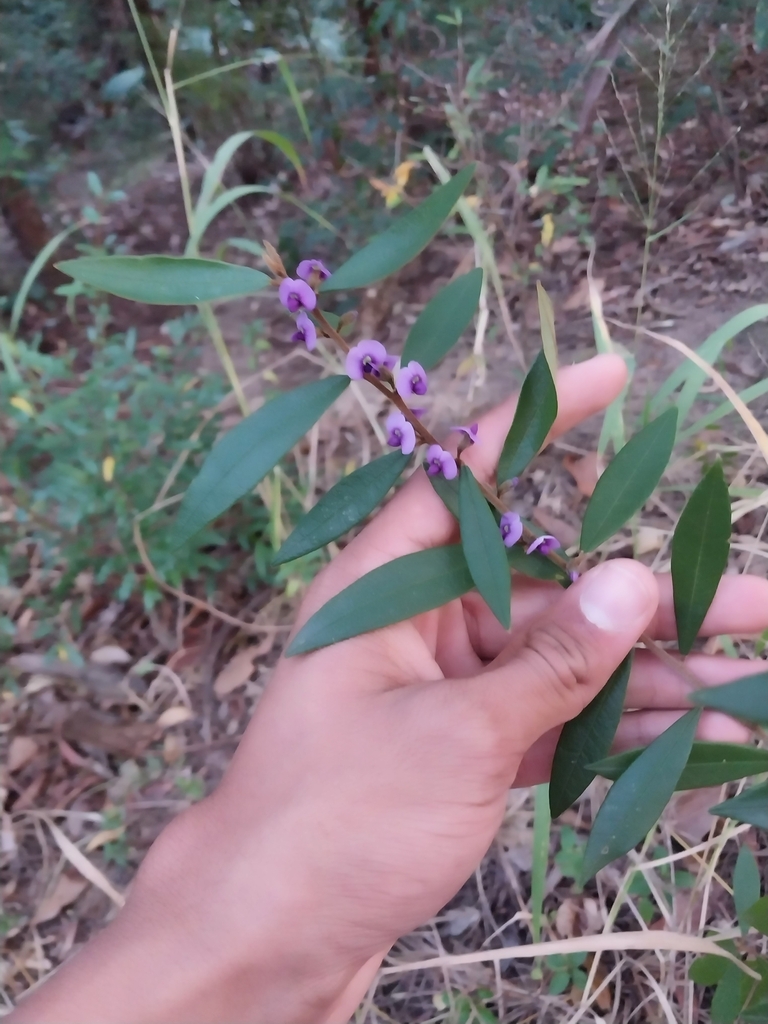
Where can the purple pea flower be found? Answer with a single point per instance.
(470, 432)
(296, 295)
(305, 331)
(511, 526)
(441, 461)
(400, 433)
(573, 575)
(412, 380)
(367, 356)
(307, 267)
(544, 545)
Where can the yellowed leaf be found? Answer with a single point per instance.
(108, 469)
(237, 671)
(65, 892)
(21, 403)
(20, 752)
(107, 835)
(547, 230)
(403, 173)
(175, 715)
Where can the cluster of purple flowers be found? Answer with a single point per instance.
(298, 297)
(370, 358)
(511, 526)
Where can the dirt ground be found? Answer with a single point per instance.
(103, 754)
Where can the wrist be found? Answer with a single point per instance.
(202, 942)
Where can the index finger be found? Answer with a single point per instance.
(416, 518)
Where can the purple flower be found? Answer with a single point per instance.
(400, 433)
(367, 356)
(544, 545)
(573, 575)
(412, 380)
(305, 331)
(441, 461)
(470, 431)
(296, 295)
(511, 526)
(307, 267)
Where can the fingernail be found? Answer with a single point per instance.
(618, 596)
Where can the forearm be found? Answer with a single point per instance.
(168, 957)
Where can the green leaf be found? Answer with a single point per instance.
(484, 548)
(709, 764)
(761, 25)
(344, 506)
(403, 240)
(536, 566)
(443, 320)
(391, 593)
(756, 914)
(708, 969)
(448, 492)
(587, 738)
(745, 698)
(691, 376)
(629, 480)
(247, 453)
(751, 806)
(636, 800)
(165, 280)
(746, 890)
(536, 412)
(700, 547)
(730, 995)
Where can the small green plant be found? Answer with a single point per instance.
(566, 973)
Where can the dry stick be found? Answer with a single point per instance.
(253, 628)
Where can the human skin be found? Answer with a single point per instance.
(374, 774)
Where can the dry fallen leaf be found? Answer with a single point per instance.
(648, 539)
(20, 752)
(110, 654)
(565, 532)
(107, 835)
(239, 669)
(175, 715)
(66, 891)
(586, 470)
(579, 297)
(566, 917)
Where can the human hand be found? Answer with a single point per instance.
(374, 774)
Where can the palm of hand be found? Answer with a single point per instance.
(381, 761)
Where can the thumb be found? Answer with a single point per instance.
(546, 677)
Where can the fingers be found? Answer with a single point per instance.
(654, 684)
(582, 390)
(416, 518)
(546, 677)
(639, 728)
(740, 607)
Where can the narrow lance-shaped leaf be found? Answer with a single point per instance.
(443, 320)
(535, 413)
(700, 548)
(629, 480)
(709, 764)
(344, 506)
(392, 592)
(746, 885)
(247, 453)
(756, 912)
(484, 548)
(745, 698)
(547, 322)
(585, 739)
(165, 280)
(403, 240)
(636, 800)
(751, 806)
